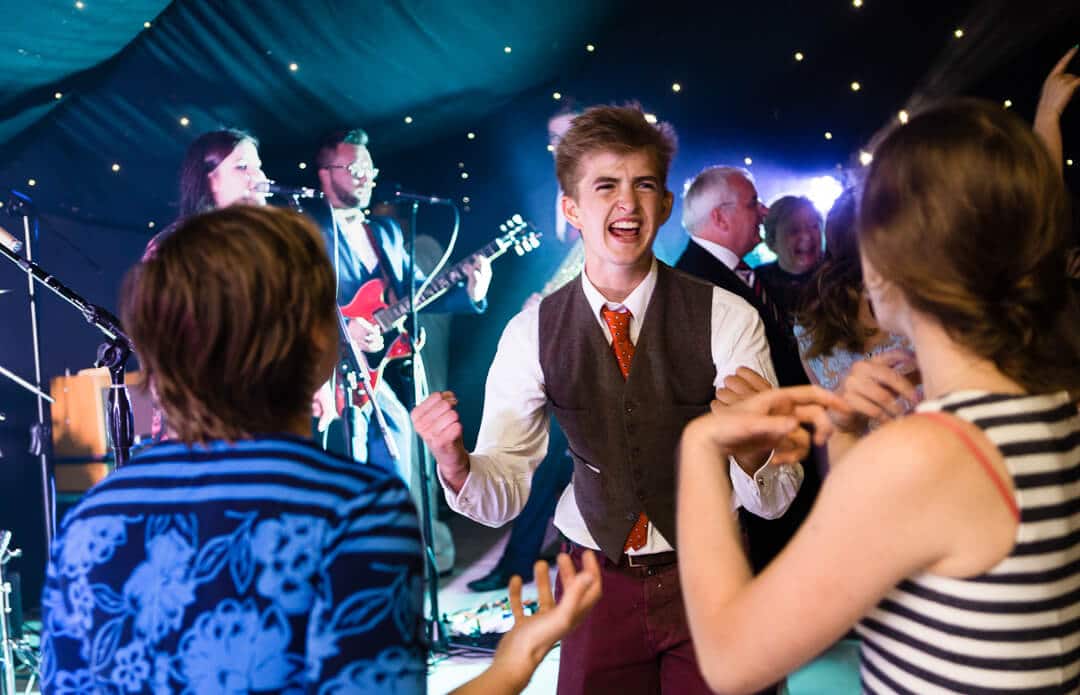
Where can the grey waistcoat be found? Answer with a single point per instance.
(623, 433)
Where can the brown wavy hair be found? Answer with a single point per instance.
(232, 318)
(204, 155)
(830, 308)
(618, 129)
(964, 211)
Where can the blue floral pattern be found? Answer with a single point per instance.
(243, 593)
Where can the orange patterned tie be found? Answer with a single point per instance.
(619, 323)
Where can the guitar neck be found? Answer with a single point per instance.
(439, 285)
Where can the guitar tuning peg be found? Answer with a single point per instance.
(502, 227)
(517, 219)
(518, 250)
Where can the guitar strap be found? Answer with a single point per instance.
(385, 269)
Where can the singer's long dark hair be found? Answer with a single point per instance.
(202, 157)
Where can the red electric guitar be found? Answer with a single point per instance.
(369, 302)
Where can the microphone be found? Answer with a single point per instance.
(9, 241)
(429, 199)
(274, 188)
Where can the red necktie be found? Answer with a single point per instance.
(619, 323)
(747, 275)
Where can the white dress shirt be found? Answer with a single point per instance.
(356, 236)
(513, 435)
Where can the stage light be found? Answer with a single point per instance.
(828, 135)
(855, 86)
(115, 167)
(556, 96)
(471, 136)
(590, 48)
(903, 116)
(747, 161)
(823, 192)
(294, 67)
(799, 56)
(464, 174)
(959, 33)
(31, 182)
(1008, 103)
(865, 158)
(408, 119)
(507, 49)
(650, 118)
(185, 121)
(302, 165)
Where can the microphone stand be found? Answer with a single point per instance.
(440, 641)
(112, 354)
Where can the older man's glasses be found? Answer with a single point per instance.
(358, 172)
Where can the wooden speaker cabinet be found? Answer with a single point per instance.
(79, 427)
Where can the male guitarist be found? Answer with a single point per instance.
(363, 248)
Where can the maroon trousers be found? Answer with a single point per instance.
(635, 641)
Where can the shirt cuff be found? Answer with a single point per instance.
(465, 500)
(770, 491)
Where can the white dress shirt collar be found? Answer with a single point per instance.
(637, 301)
(720, 253)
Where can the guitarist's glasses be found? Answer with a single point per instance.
(357, 172)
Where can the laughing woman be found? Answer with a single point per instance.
(950, 538)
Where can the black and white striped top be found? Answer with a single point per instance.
(1015, 628)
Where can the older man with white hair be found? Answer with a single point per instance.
(723, 216)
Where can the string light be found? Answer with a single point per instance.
(58, 95)
(959, 33)
(551, 148)
(799, 56)
(1069, 162)
(115, 167)
(185, 121)
(507, 49)
(79, 4)
(408, 119)
(676, 87)
(150, 224)
(294, 67)
(903, 116)
(556, 95)
(146, 25)
(855, 86)
(748, 161)
(590, 48)
(464, 174)
(461, 165)
(828, 135)
(856, 3)
(465, 199)
(865, 158)
(650, 118)
(31, 182)
(302, 165)
(471, 136)
(1008, 103)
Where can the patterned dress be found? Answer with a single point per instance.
(263, 565)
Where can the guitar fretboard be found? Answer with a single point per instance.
(439, 285)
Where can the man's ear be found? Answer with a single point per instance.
(666, 207)
(717, 217)
(570, 211)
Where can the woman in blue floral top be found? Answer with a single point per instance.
(239, 557)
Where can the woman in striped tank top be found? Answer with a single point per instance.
(949, 538)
